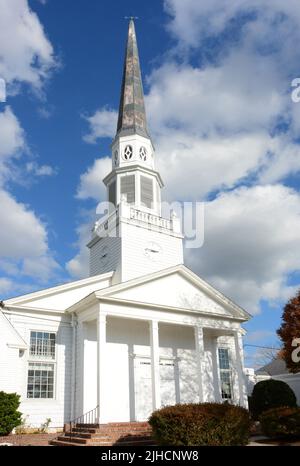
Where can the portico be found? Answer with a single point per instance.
(136, 357)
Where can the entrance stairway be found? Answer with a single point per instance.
(112, 434)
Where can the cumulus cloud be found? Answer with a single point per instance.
(91, 186)
(102, 123)
(78, 266)
(11, 134)
(24, 241)
(26, 54)
(251, 243)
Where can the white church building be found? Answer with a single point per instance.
(142, 331)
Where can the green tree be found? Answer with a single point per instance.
(10, 417)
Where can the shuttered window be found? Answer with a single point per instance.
(112, 193)
(146, 192)
(128, 188)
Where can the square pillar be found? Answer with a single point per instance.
(199, 346)
(154, 343)
(101, 363)
(239, 357)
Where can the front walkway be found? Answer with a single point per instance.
(28, 439)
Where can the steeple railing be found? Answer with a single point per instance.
(147, 217)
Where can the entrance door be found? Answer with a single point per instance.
(167, 382)
(143, 388)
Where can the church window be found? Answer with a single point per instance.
(128, 188)
(146, 192)
(143, 153)
(42, 345)
(128, 152)
(40, 381)
(225, 373)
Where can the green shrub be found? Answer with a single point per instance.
(269, 394)
(10, 417)
(281, 422)
(201, 424)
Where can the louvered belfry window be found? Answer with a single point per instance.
(112, 193)
(147, 191)
(128, 188)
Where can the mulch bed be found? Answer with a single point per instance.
(28, 439)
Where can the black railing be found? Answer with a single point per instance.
(91, 417)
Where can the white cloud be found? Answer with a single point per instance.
(78, 266)
(23, 241)
(40, 170)
(91, 185)
(102, 124)
(208, 163)
(251, 244)
(11, 134)
(193, 20)
(26, 54)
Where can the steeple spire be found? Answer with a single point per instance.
(132, 116)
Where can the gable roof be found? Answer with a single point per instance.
(68, 293)
(112, 292)
(14, 339)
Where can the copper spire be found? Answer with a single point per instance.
(132, 116)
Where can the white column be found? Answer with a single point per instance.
(239, 357)
(73, 370)
(217, 382)
(154, 342)
(199, 346)
(79, 406)
(101, 362)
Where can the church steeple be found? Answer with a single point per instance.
(134, 239)
(132, 115)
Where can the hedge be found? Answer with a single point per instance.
(201, 424)
(281, 422)
(269, 394)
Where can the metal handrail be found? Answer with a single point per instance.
(89, 417)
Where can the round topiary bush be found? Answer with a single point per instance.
(281, 422)
(269, 394)
(10, 417)
(201, 424)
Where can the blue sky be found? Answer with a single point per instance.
(217, 79)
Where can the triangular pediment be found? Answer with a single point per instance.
(59, 298)
(177, 287)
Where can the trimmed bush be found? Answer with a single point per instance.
(10, 417)
(281, 422)
(201, 424)
(269, 394)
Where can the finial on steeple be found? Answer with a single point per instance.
(132, 116)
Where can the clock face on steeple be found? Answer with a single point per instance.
(153, 251)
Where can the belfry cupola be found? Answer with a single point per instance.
(133, 177)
